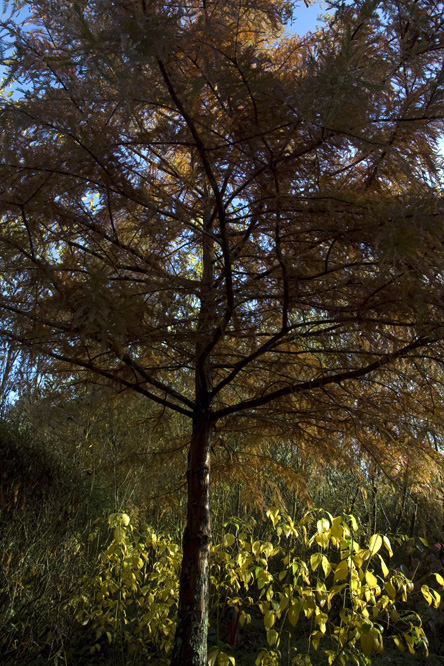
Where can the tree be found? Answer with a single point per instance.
(240, 225)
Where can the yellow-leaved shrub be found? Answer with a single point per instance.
(130, 602)
(311, 579)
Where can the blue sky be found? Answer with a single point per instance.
(305, 18)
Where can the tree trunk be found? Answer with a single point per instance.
(190, 647)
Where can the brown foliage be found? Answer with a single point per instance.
(240, 226)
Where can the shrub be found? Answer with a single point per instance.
(310, 586)
(130, 602)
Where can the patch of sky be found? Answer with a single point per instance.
(307, 18)
(92, 200)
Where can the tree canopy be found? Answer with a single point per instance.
(241, 224)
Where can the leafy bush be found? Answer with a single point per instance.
(130, 602)
(310, 586)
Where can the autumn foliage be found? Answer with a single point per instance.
(241, 225)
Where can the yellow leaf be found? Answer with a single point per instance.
(375, 543)
(269, 619)
(378, 646)
(426, 594)
(273, 514)
(394, 616)
(283, 602)
(323, 539)
(390, 589)
(354, 522)
(341, 571)
(315, 561)
(326, 565)
(410, 643)
(344, 614)
(293, 613)
(244, 619)
(399, 644)
(371, 579)
(216, 656)
(315, 638)
(388, 546)
(229, 539)
(321, 620)
(385, 571)
(367, 643)
(267, 549)
(119, 534)
(256, 548)
(323, 525)
(439, 579)
(309, 605)
(337, 530)
(272, 637)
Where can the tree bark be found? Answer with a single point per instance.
(190, 647)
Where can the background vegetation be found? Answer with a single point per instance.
(71, 458)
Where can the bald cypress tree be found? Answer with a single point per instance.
(243, 226)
